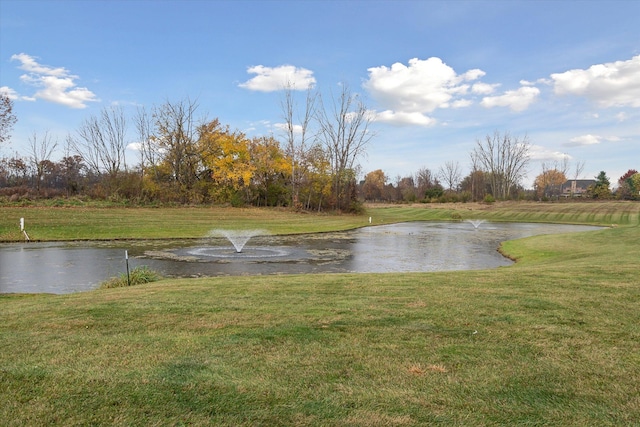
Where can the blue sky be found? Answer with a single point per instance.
(438, 75)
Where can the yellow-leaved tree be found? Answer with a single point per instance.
(272, 172)
(227, 161)
(315, 178)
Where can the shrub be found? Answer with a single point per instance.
(137, 276)
(465, 196)
(489, 199)
(237, 200)
(433, 193)
(356, 207)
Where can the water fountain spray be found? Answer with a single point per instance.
(476, 222)
(238, 238)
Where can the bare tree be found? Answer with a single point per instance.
(72, 169)
(17, 170)
(451, 175)
(505, 159)
(425, 180)
(477, 179)
(40, 150)
(296, 135)
(563, 166)
(344, 132)
(148, 147)
(176, 135)
(579, 168)
(7, 118)
(101, 141)
(406, 188)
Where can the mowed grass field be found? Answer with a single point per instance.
(551, 340)
(44, 223)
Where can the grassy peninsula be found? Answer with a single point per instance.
(551, 340)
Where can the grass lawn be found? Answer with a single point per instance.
(94, 223)
(551, 340)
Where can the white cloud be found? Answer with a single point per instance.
(516, 100)
(61, 90)
(584, 140)
(422, 86)
(404, 118)
(297, 129)
(8, 92)
(270, 79)
(461, 103)
(538, 152)
(370, 115)
(57, 84)
(13, 95)
(622, 116)
(30, 65)
(150, 144)
(614, 84)
(483, 88)
(409, 92)
(539, 81)
(474, 74)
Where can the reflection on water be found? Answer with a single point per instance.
(407, 247)
(56, 267)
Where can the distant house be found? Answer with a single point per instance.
(576, 187)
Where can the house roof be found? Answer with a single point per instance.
(580, 182)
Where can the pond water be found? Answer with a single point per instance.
(66, 267)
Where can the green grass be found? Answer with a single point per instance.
(551, 340)
(597, 213)
(66, 223)
(138, 276)
(44, 222)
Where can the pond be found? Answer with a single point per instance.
(66, 267)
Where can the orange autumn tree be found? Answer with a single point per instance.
(549, 183)
(226, 158)
(374, 183)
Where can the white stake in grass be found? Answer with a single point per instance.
(126, 257)
(26, 236)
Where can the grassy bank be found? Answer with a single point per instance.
(96, 223)
(91, 223)
(552, 340)
(597, 213)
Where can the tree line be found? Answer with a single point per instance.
(185, 158)
(188, 159)
(548, 185)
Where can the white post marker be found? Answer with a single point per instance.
(26, 236)
(126, 257)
